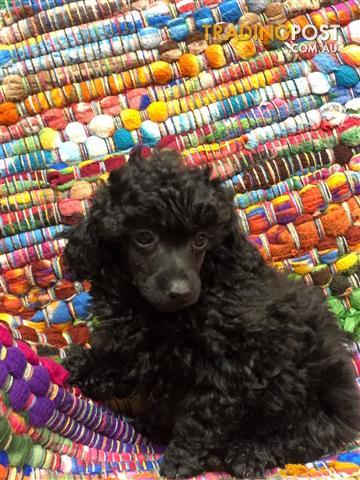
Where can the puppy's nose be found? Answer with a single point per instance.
(179, 289)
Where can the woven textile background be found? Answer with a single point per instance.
(81, 82)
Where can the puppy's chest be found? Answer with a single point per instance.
(190, 358)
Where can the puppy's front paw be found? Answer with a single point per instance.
(248, 460)
(169, 468)
(179, 463)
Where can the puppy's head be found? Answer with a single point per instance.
(165, 266)
(152, 227)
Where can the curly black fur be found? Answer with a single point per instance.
(255, 373)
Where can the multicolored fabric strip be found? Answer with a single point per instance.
(81, 83)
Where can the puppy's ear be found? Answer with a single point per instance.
(247, 255)
(85, 251)
(139, 153)
(167, 155)
(235, 252)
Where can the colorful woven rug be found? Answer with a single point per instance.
(81, 82)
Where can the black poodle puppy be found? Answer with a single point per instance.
(243, 369)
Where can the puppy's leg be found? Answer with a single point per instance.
(305, 441)
(192, 450)
(316, 434)
(250, 458)
(331, 419)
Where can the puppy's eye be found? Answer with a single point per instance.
(144, 238)
(200, 240)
